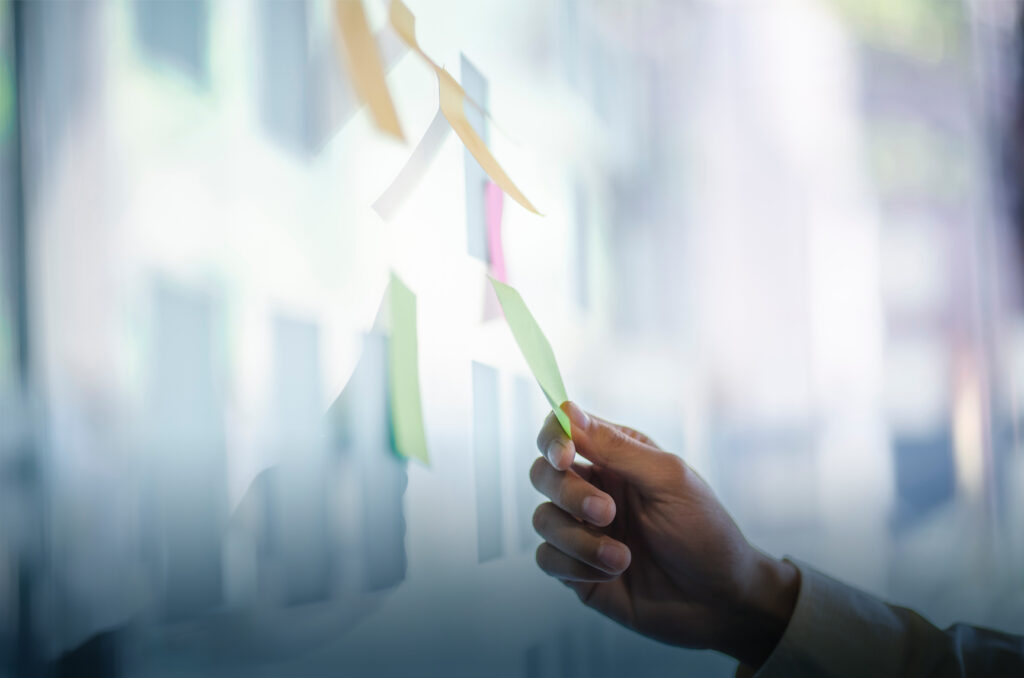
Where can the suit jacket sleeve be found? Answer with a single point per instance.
(838, 631)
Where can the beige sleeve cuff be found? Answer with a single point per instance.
(838, 631)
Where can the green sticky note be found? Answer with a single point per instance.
(535, 348)
(404, 374)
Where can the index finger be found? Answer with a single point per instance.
(556, 447)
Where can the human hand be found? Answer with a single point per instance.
(640, 537)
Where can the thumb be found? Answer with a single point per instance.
(608, 447)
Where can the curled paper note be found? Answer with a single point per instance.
(535, 348)
(453, 98)
(394, 196)
(364, 65)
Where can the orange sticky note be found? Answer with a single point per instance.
(364, 66)
(452, 98)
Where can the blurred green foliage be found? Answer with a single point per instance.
(931, 30)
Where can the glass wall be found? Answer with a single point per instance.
(778, 237)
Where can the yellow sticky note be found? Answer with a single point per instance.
(535, 348)
(452, 98)
(364, 65)
(404, 374)
(404, 23)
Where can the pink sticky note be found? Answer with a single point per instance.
(493, 199)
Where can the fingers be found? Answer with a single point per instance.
(557, 564)
(578, 542)
(554, 444)
(585, 471)
(581, 588)
(572, 493)
(609, 446)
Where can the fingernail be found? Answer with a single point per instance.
(598, 510)
(613, 555)
(577, 416)
(557, 453)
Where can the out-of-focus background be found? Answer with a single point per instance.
(779, 237)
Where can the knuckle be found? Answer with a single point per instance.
(541, 556)
(548, 561)
(612, 440)
(674, 468)
(542, 518)
(611, 434)
(537, 471)
(611, 572)
(579, 542)
(586, 546)
(563, 495)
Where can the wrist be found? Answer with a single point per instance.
(762, 609)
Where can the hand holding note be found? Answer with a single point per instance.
(643, 540)
(535, 348)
